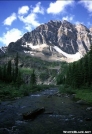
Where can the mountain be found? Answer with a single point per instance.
(55, 40)
(3, 50)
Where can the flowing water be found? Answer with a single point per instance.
(61, 114)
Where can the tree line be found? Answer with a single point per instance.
(8, 72)
(79, 73)
(11, 73)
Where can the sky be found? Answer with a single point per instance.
(22, 16)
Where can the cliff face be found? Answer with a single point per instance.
(83, 38)
(67, 37)
(2, 50)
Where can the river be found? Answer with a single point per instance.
(61, 114)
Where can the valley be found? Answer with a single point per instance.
(45, 66)
(48, 67)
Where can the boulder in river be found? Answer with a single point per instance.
(89, 108)
(33, 114)
(49, 96)
(59, 95)
(81, 102)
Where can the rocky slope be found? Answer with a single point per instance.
(57, 39)
(3, 50)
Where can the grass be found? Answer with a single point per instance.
(82, 93)
(25, 70)
(85, 95)
(10, 91)
(66, 89)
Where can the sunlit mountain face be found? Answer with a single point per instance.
(55, 40)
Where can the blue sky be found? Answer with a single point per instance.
(19, 17)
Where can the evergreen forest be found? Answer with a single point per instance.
(77, 74)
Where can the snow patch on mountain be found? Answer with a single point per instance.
(76, 56)
(37, 47)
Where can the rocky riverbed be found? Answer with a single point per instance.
(61, 114)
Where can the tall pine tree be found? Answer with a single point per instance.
(16, 66)
(33, 78)
(9, 71)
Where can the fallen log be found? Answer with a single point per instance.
(48, 113)
(33, 114)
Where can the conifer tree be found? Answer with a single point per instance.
(33, 78)
(79, 73)
(73, 74)
(85, 64)
(4, 73)
(89, 70)
(9, 67)
(9, 70)
(16, 66)
(0, 73)
(60, 79)
(68, 75)
(19, 79)
(78, 77)
(13, 74)
(90, 65)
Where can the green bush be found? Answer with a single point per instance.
(85, 95)
(25, 70)
(24, 90)
(66, 89)
(10, 91)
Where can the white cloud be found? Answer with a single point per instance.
(78, 22)
(68, 18)
(59, 6)
(87, 4)
(9, 20)
(11, 36)
(30, 19)
(38, 8)
(28, 27)
(23, 10)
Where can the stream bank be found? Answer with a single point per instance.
(65, 114)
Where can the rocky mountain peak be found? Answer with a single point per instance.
(90, 29)
(65, 22)
(55, 37)
(81, 28)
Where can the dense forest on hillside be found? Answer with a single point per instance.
(14, 68)
(10, 73)
(77, 74)
(22, 74)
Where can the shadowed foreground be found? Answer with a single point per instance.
(61, 114)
